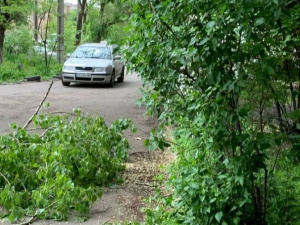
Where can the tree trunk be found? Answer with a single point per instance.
(84, 18)
(36, 22)
(60, 32)
(81, 10)
(102, 7)
(2, 31)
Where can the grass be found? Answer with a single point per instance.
(17, 67)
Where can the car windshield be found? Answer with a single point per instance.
(92, 52)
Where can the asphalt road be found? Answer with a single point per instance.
(19, 101)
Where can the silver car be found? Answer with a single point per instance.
(93, 63)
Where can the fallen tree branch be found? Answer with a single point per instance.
(145, 184)
(34, 217)
(131, 153)
(72, 114)
(30, 221)
(1, 174)
(101, 211)
(38, 108)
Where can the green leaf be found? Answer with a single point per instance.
(209, 27)
(259, 21)
(204, 41)
(193, 40)
(219, 216)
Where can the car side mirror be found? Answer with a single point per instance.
(117, 58)
(68, 55)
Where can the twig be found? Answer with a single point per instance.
(33, 129)
(131, 153)
(43, 134)
(72, 114)
(1, 174)
(34, 217)
(145, 184)
(38, 108)
(143, 131)
(31, 220)
(101, 211)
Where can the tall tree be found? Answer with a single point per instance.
(11, 12)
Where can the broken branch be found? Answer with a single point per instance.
(38, 108)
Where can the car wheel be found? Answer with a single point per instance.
(121, 78)
(112, 80)
(65, 83)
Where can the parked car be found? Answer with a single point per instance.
(40, 50)
(93, 63)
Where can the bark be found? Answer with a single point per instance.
(81, 10)
(102, 7)
(297, 48)
(286, 63)
(84, 19)
(36, 22)
(2, 31)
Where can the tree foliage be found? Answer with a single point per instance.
(62, 169)
(13, 11)
(108, 20)
(225, 76)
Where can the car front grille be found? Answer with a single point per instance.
(69, 78)
(84, 68)
(83, 78)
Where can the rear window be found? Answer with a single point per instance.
(92, 52)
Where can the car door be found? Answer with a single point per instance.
(117, 61)
(118, 64)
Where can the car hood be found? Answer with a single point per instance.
(88, 62)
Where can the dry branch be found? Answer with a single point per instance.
(30, 221)
(38, 108)
(1, 174)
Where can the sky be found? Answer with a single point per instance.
(71, 1)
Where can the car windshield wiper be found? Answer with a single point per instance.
(95, 57)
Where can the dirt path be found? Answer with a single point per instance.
(19, 101)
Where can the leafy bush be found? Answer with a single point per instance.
(9, 71)
(48, 175)
(18, 40)
(225, 76)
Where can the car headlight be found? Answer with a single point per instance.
(68, 68)
(99, 69)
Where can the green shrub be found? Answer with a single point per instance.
(17, 67)
(18, 40)
(225, 76)
(10, 71)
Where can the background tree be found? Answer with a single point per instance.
(81, 14)
(108, 20)
(11, 12)
(225, 76)
(46, 11)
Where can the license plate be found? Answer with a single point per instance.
(87, 75)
